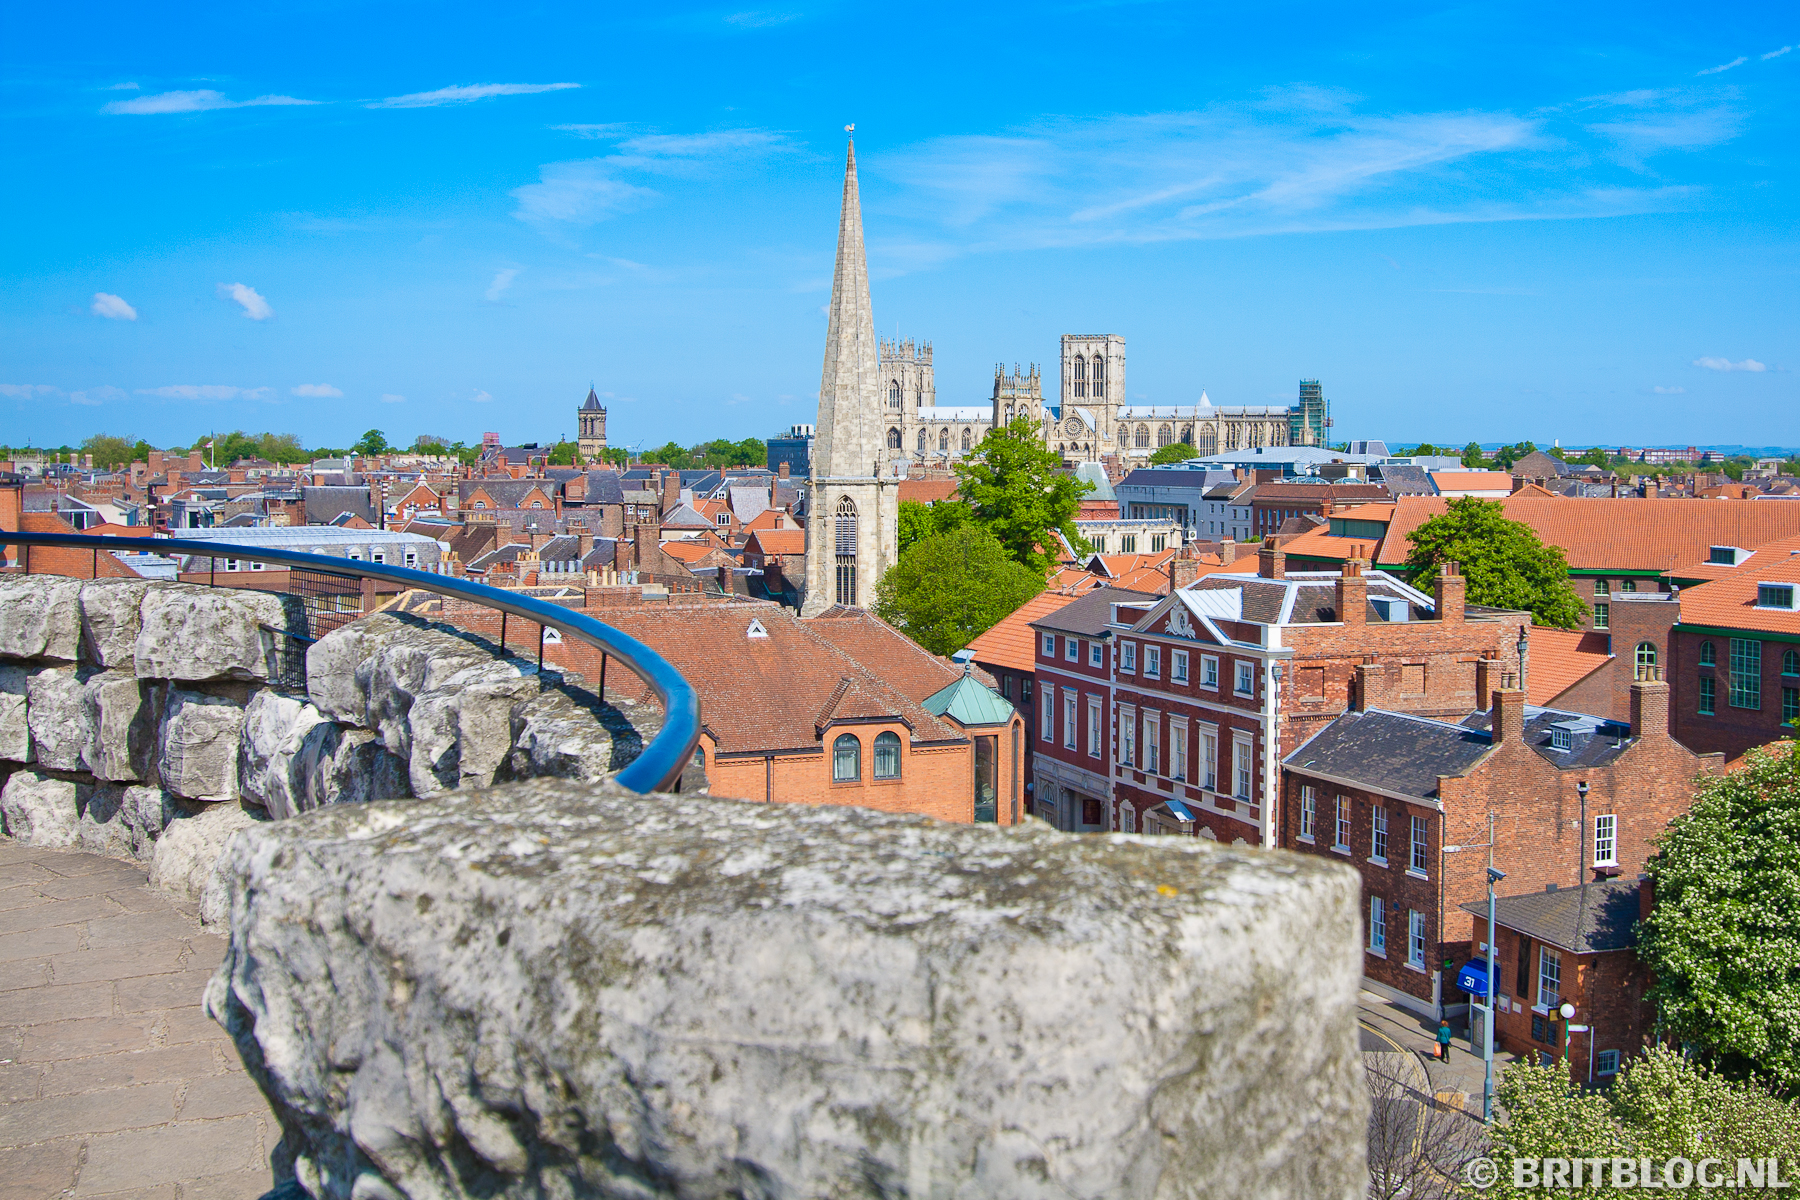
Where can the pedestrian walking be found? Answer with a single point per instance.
(1444, 1040)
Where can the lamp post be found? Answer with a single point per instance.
(1568, 1014)
(1487, 1045)
(1581, 789)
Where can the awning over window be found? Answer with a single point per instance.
(1473, 978)
(1180, 811)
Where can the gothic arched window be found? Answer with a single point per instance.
(966, 442)
(1187, 434)
(1143, 437)
(846, 759)
(1099, 377)
(894, 394)
(1645, 661)
(1081, 377)
(1209, 441)
(846, 551)
(921, 441)
(1164, 435)
(943, 441)
(893, 439)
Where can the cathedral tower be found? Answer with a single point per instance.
(590, 427)
(852, 513)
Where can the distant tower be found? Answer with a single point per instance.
(907, 386)
(1020, 394)
(1311, 418)
(852, 513)
(1093, 389)
(591, 423)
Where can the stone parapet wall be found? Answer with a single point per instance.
(560, 989)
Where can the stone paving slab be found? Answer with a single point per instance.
(113, 1082)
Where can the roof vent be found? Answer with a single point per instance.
(756, 629)
(1549, 887)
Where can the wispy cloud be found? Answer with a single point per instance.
(1739, 61)
(207, 391)
(255, 307)
(1643, 123)
(1776, 53)
(317, 390)
(467, 93)
(132, 87)
(480, 397)
(204, 100)
(112, 307)
(391, 398)
(1669, 391)
(503, 279)
(26, 391)
(95, 396)
(1725, 364)
(591, 190)
(594, 132)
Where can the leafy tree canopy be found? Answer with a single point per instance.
(371, 443)
(1660, 1106)
(109, 451)
(1472, 456)
(1504, 562)
(1595, 458)
(1015, 489)
(616, 454)
(920, 521)
(563, 454)
(1722, 942)
(949, 588)
(1174, 452)
(1426, 449)
(1506, 456)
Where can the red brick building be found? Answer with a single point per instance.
(1568, 798)
(1571, 945)
(1735, 664)
(1273, 503)
(1008, 652)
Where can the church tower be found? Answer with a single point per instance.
(852, 512)
(590, 427)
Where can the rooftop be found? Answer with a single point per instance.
(1010, 643)
(1562, 658)
(1586, 919)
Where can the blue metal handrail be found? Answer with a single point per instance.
(655, 769)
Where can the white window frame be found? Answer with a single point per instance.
(1178, 748)
(1178, 666)
(1420, 861)
(1127, 658)
(1152, 742)
(1246, 674)
(1378, 835)
(1071, 649)
(1549, 978)
(1070, 696)
(1094, 727)
(412, 559)
(1377, 944)
(1096, 654)
(1340, 825)
(1049, 645)
(1415, 939)
(1152, 662)
(1049, 710)
(1209, 672)
(1606, 844)
(1209, 757)
(1127, 736)
(1606, 1062)
(1309, 811)
(1243, 767)
(1127, 817)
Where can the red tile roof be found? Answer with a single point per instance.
(905, 665)
(776, 541)
(1010, 644)
(1562, 658)
(1730, 603)
(1618, 535)
(927, 491)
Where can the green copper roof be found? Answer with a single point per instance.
(969, 703)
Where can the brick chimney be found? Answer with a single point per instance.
(196, 461)
(584, 541)
(1487, 678)
(1353, 594)
(781, 470)
(1182, 571)
(1371, 685)
(671, 490)
(155, 465)
(1508, 715)
(503, 534)
(1228, 551)
(1650, 707)
(647, 546)
(1449, 593)
(1271, 563)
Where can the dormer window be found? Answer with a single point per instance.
(1775, 595)
(1562, 739)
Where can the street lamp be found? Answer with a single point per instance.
(1487, 1046)
(1568, 1014)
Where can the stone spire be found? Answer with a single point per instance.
(849, 428)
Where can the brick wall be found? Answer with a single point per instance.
(1727, 730)
(1606, 989)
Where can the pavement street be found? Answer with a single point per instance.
(1387, 1026)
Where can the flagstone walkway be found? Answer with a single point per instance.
(113, 1082)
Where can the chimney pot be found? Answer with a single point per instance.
(1228, 551)
(1271, 563)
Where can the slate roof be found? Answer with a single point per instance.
(592, 403)
(1314, 595)
(507, 493)
(1590, 918)
(1390, 752)
(325, 503)
(1089, 615)
(684, 516)
(1593, 741)
(1405, 479)
(1011, 643)
(747, 501)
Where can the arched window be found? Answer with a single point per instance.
(1645, 661)
(966, 441)
(1164, 435)
(1143, 437)
(479, 504)
(893, 439)
(1790, 662)
(921, 441)
(943, 441)
(846, 759)
(1099, 377)
(894, 394)
(1707, 656)
(846, 552)
(887, 756)
(537, 504)
(1081, 377)
(1187, 434)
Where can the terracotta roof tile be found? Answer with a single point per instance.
(1010, 644)
(1730, 603)
(776, 541)
(927, 491)
(1562, 658)
(904, 664)
(1618, 535)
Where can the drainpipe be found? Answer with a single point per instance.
(1271, 723)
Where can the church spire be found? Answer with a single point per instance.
(849, 439)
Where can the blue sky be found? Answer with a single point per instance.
(1470, 221)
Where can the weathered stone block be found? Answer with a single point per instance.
(123, 820)
(199, 745)
(332, 764)
(558, 989)
(15, 726)
(40, 617)
(274, 723)
(194, 633)
(123, 720)
(188, 859)
(553, 737)
(56, 708)
(39, 811)
(112, 618)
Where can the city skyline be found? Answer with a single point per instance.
(1574, 229)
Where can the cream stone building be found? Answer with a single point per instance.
(590, 427)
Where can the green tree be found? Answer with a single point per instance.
(1472, 456)
(1595, 457)
(618, 455)
(1425, 449)
(1661, 1106)
(950, 588)
(1506, 456)
(109, 451)
(370, 444)
(670, 455)
(1505, 563)
(1017, 492)
(563, 454)
(920, 521)
(1722, 942)
(1174, 452)
(280, 448)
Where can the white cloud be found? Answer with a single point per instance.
(480, 397)
(132, 87)
(1725, 364)
(465, 93)
(207, 391)
(503, 279)
(1669, 391)
(112, 307)
(1776, 53)
(323, 390)
(25, 391)
(593, 132)
(1739, 61)
(591, 190)
(97, 395)
(204, 100)
(83, 398)
(255, 307)
(390, 398)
